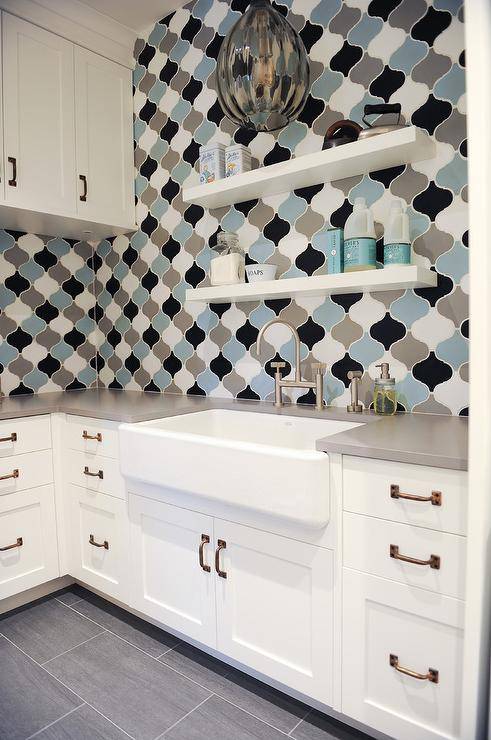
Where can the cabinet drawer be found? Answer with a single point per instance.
(369, 546)
(93, 436)
(100, 541)
(28, 546)
(423, 631)
(367, 490)
(95, 473)
(18, 436)
(20, 472)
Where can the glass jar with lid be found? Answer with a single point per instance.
(227, 265)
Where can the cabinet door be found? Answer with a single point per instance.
(100, 538)
(104, 115)
(39, 128)
(275, 607)
(422, 631)
(28, 544)
(169, 583)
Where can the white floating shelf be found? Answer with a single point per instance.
(365, 281)
(408, 144)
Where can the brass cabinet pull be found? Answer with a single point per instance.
(99, 474)
(204, 541)
(433, 561)
(86, 435)
(431, 676)
(14, 474)
(104, 544)
(435, 498)
(221, 546)
(83, 179)
(19, 543)
(11, 438)
(13, 181)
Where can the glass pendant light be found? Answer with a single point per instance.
(262, 70)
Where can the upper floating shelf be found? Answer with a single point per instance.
(408, 144)
(401, 277)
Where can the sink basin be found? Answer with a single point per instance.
(264, 462)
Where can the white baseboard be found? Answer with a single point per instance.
(12, 602)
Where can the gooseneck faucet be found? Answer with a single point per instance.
(279, 383)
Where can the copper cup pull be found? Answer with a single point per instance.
(99, 474)
(104, 544)
(14, 474)
(86, 435)
(431, 676)
(11, 438)
(435, 499)
(221, 546)
(204, 541)
(433, 561)
(19, 543)
(83, 179)
(13, 162)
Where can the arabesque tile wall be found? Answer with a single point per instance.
(409, 51)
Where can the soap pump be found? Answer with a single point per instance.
(384, 394)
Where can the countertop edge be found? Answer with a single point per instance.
(402, 456)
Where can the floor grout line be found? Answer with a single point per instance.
(163, 734)
(72, 648)
(123, 639)
(62, 602)
(188, 678)
(290, 734)
(67, 714)
(68, 688)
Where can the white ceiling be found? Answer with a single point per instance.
(135, 14)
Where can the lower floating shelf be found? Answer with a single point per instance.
(401, 277)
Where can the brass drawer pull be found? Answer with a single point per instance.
(83, 180)
(86, 435)
(221, 546)
(431, 676)
(433, 561)
(14, 474)
(104, 544)
(99, 474)
(13, 181)
(19, 543)
(11, 438)
(204, 541)
(435, 498)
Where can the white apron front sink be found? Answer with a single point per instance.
(264, 462)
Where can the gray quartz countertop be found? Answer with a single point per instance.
(421, 439)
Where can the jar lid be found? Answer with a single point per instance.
(211, 146)
(239, 148)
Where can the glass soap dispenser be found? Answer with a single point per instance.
(384, 394)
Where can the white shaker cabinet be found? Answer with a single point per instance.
(275, 607)
(39, 125)
(104, 121)
(173, 578)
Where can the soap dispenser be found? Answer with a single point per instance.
(384, 394)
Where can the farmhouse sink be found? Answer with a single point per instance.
(263, 462)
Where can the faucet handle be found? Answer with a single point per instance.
(278, 365)
(318, 367)
(352, 374)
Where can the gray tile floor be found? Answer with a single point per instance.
(75, 667)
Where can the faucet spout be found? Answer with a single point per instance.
(296, 339)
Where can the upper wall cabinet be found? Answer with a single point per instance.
(67, 137)
(104, 115)
(39, 128)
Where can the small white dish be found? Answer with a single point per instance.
(257, 273)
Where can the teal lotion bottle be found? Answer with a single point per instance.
(397, 245)
(359, 239)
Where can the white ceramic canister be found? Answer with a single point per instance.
(211, 162)
(237, 159)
